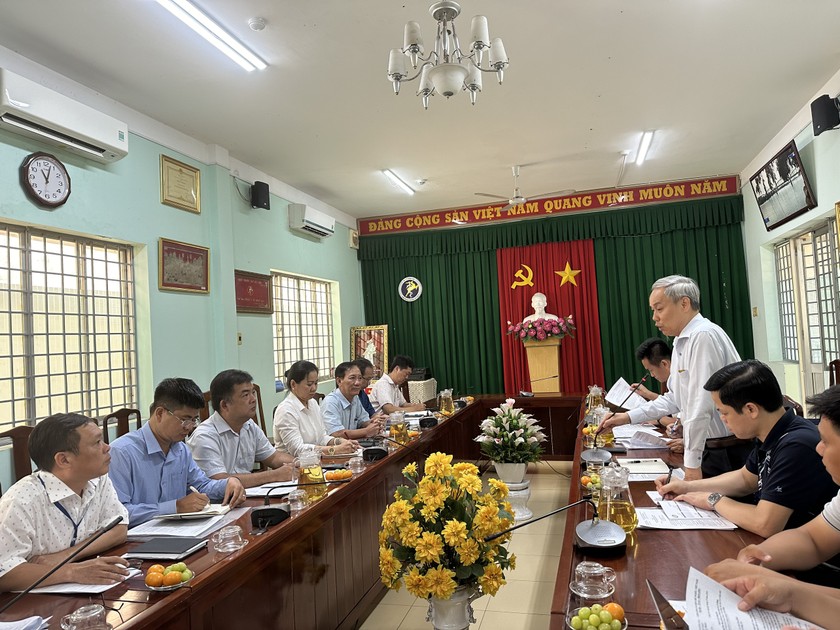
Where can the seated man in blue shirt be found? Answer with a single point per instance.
(342, 411)
(152, 469)
(749, 400)
(367, 370)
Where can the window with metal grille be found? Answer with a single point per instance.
(67, 326)
(787, 301)
(303, 323)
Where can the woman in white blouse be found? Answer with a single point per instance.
(297, 420)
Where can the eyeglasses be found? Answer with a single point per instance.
(185, 422)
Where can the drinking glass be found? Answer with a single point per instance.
(297, 500)
(88, 617)
(228, 539)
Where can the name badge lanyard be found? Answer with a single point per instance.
(64, 511)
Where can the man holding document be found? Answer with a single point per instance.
(700, 348)
(750, 402)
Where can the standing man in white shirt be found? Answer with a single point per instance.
(701, 348)
(386, 395)
(229, 442)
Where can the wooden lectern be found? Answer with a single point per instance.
(544, 364)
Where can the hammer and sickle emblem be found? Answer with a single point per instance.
(525, 280)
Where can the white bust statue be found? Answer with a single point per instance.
(538, 303)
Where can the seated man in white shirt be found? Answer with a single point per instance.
(386, 395)
(342, 410)
(229, 442)
(45, 515)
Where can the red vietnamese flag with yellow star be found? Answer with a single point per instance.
(565, 273)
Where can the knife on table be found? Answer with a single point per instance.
(671, 619)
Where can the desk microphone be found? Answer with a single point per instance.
(78, 550)
(591, 536)
(266, 515)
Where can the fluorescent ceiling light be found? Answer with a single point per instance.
(398, 182)
(198, 21)
(644, 145)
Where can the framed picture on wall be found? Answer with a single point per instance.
(180, 185)
(183, 267)
(253, 292)
(371, 343)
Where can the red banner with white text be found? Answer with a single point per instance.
(565, 273)
(576, 202)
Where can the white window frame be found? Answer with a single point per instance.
(69, 344)
(306, 302)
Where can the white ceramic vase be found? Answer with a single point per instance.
(455, 613)
(511, 473)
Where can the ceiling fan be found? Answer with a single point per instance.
(517, 198)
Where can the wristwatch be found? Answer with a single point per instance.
(713, 499)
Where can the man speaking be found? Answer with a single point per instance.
(701, 348)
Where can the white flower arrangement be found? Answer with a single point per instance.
(511, 435)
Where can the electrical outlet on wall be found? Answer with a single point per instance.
(238, 339)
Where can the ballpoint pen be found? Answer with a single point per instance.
(670, 472)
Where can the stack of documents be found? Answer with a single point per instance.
(198, 528)
(644, 469)
(714, 607)
(680, 515)
(277, 489)
(643, 440)
(30, 623)
(72, 587)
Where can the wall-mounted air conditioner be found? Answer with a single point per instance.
(304, 219)
(33, 110)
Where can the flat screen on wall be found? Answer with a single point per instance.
(782, 188)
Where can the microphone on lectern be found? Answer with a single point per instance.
(591, 535)
(78, 550)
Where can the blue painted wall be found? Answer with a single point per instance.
(182, 334)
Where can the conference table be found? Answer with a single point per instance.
(319, 568)
(316, 570)
(662, 556)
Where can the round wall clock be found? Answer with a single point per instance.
(45, 179)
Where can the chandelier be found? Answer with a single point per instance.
(447, 69)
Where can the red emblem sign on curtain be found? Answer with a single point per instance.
(565, 273)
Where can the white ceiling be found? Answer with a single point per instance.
(717, 79)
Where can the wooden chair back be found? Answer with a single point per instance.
(790, 403)
(834, 372)
(20, 450)
(123, 419)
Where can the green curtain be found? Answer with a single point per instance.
(627, 266)
(454, 327)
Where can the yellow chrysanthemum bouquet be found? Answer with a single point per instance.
(433, 534)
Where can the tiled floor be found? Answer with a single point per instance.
(524, 603)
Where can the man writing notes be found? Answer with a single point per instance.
(229, 442)
(386, 395)
(45, 515)
(153, 470)
(753, 575)
(342, 410)
(700, 349)
(749, 400)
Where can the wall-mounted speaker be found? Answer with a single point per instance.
(259, 196)
(824, 114)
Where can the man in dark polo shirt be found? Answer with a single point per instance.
(784, 472)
